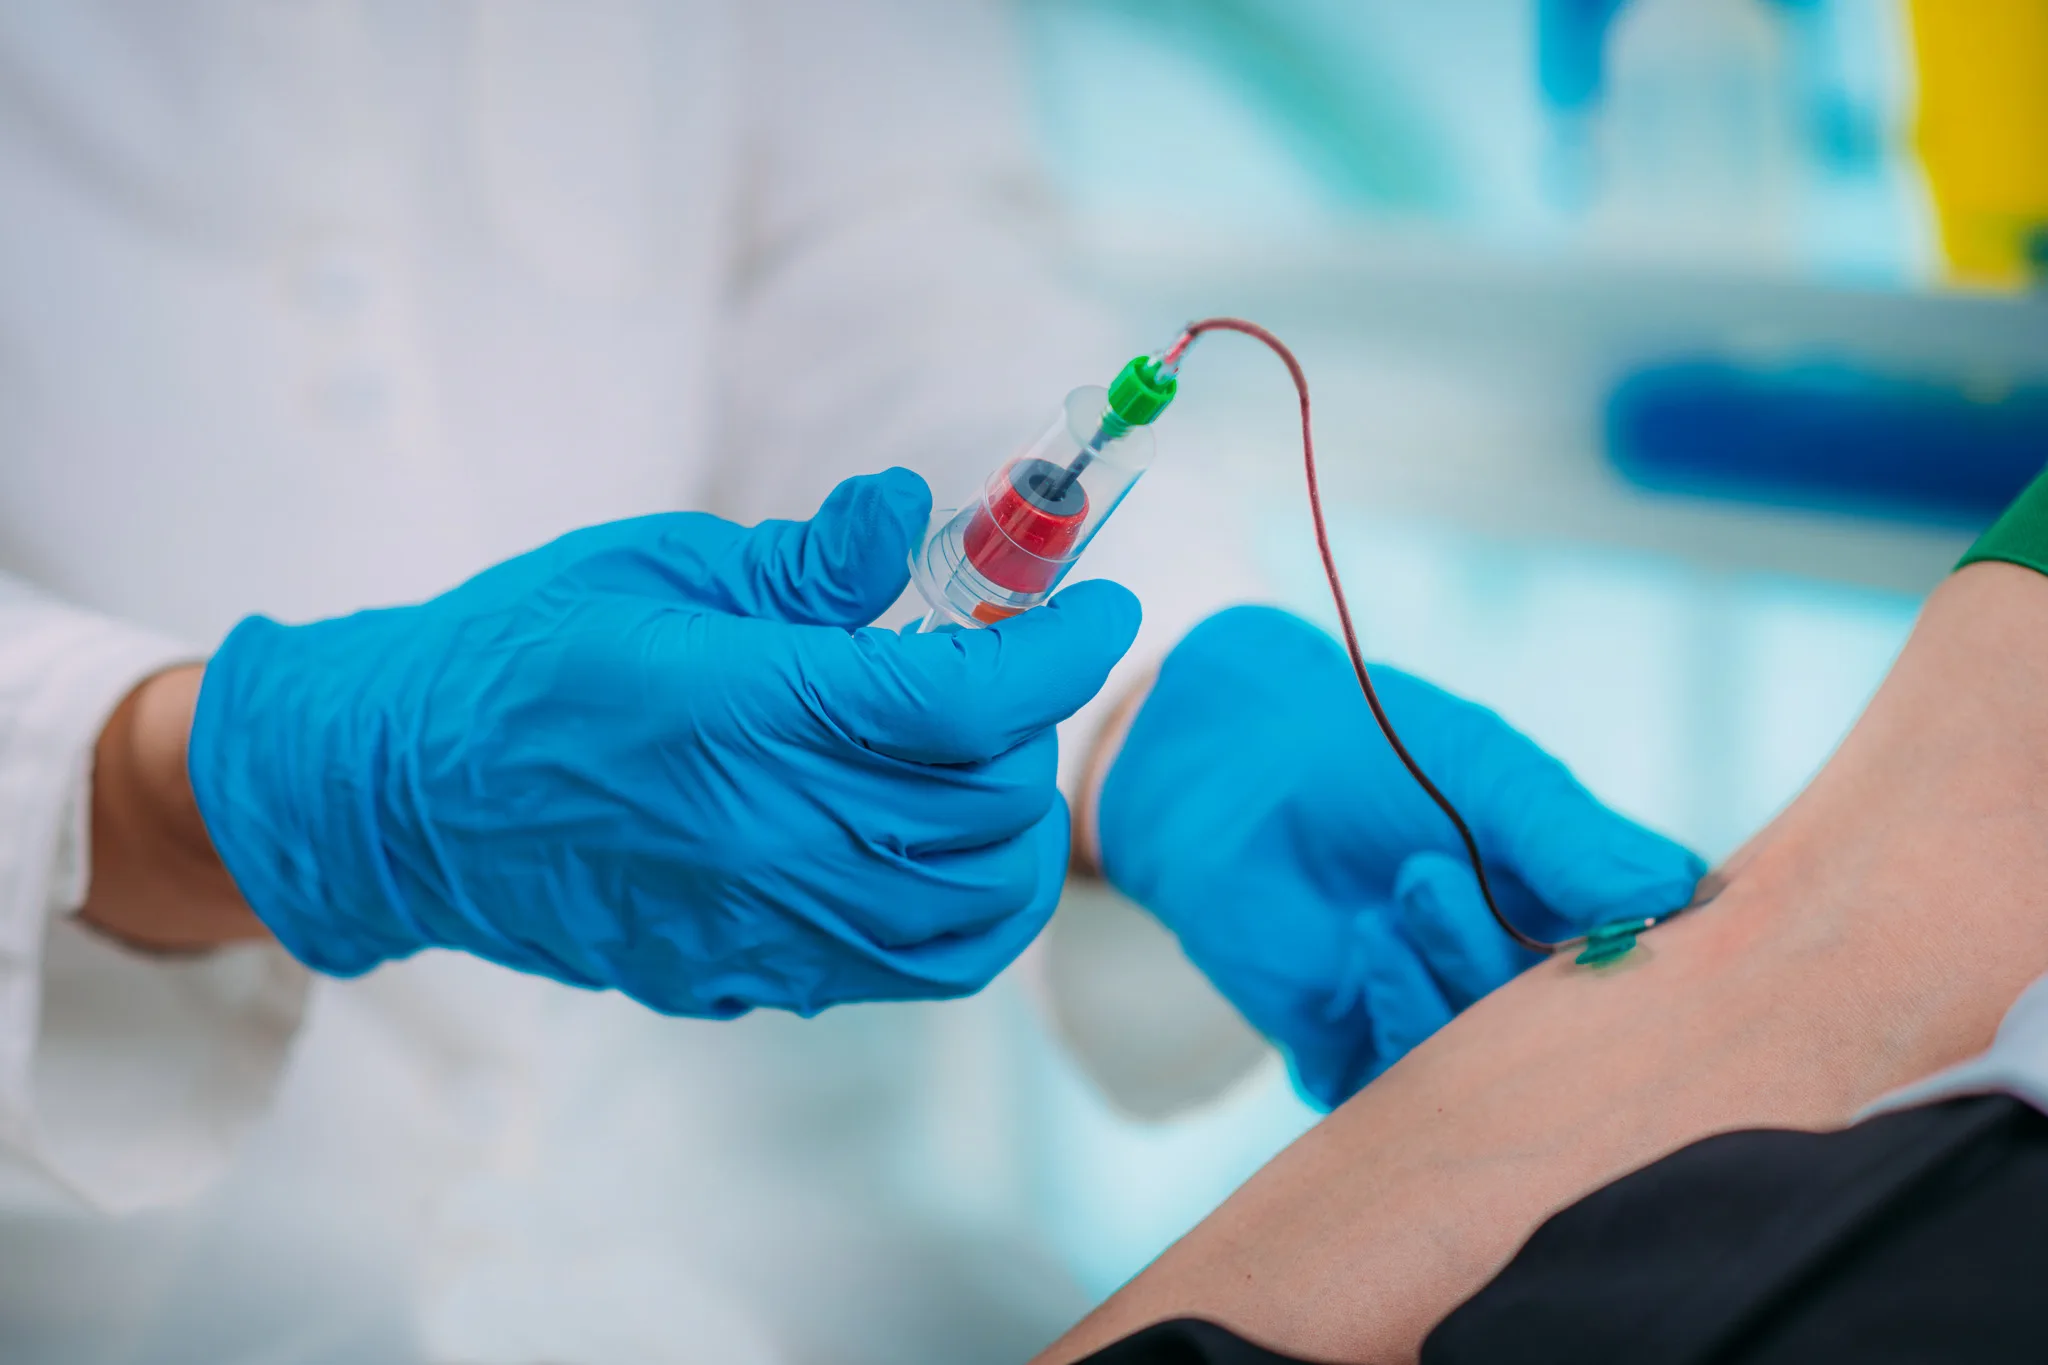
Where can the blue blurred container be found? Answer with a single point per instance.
(1829, 435)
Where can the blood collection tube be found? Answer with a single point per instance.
(1007, 550)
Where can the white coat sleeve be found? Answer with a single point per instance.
(124, 1078)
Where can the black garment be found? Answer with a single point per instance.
(1186, 1342)
(1918, 1236)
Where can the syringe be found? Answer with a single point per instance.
(1007, 550)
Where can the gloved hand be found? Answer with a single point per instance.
(1256, 809)
(656, 755)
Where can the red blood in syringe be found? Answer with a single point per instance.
(1022, 537)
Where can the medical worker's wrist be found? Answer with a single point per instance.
(1104, 747)
(286, 756)
(156, 882)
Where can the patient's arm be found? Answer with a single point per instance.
(1873, 933)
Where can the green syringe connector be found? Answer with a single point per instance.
(1610, 942)
(1139, 393)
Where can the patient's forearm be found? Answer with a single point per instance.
(1874, 933)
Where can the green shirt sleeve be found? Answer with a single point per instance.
(2020, 536)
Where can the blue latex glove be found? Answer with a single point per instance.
(1256, 809)
(656, 755)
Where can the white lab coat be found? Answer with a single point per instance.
(311, 306)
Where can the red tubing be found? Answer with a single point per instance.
(1372, 699)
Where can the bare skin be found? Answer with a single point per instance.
(156, 882)
(1873, 933)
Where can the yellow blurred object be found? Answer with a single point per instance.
(1982, 133)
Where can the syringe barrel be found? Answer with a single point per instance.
(1007, 550)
